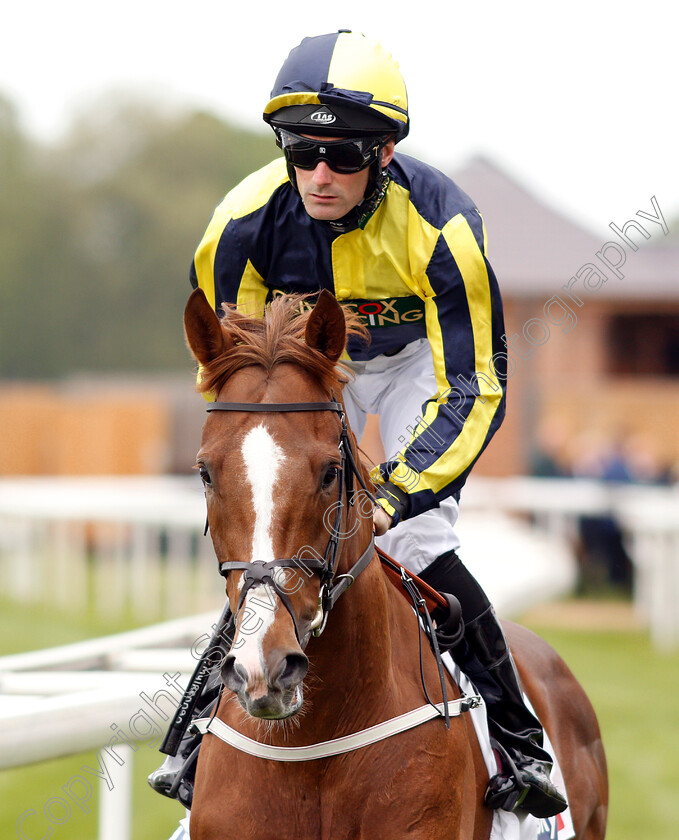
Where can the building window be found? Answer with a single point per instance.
(643, 344)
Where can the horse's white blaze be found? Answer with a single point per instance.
(263, 459)
(257, 616)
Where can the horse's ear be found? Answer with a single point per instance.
(204, 334)
(326, 329)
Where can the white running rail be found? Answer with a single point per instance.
(136, 544)
(114, 695)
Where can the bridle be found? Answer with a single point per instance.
(260, 572)
(332, 586)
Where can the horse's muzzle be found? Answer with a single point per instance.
(275, 692)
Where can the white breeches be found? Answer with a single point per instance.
(395, 388)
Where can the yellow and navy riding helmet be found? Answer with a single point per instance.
(342, 84)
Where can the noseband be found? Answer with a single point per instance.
(261, 572)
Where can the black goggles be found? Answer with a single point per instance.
(344, 156)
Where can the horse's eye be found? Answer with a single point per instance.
(204, 474)
(329, 476)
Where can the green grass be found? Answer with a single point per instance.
(27, 627)
(633, 689)
(30, 788)
(634, 692)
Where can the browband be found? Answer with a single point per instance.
(312, 406)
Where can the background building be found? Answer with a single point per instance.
(593, 351)
(594, 342)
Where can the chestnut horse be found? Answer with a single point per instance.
(276, 488)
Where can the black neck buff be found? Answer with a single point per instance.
(359, 216)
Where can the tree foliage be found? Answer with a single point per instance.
(97, 234)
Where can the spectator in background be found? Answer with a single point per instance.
(603, 558)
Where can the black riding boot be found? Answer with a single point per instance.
(175, 777)
(484, 657)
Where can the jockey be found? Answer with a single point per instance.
(400, 244)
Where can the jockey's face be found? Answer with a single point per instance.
(329, 195)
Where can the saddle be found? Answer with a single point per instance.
(443, 607)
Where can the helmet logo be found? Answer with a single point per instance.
(323, 117)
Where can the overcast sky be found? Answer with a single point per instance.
(577, 100)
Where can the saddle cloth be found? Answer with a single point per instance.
(520, 825)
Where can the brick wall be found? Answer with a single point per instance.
(49, 430)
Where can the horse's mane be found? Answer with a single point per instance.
(276, 338)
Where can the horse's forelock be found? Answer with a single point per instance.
(276, 338)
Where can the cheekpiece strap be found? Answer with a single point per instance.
(342, 582)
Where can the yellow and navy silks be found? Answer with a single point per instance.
(416, 270)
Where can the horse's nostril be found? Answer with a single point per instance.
(292, 670)
(234, 676)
